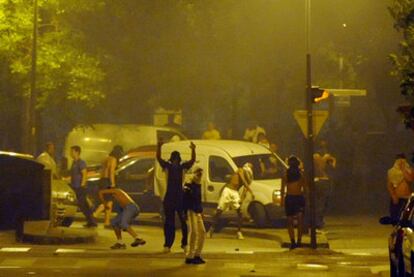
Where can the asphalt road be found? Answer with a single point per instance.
(358, 248)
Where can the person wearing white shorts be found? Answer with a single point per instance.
(230, 197)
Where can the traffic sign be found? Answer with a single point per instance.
(319, 118)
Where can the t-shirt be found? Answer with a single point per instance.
(76, 173)
(192, 197)
(211, 134)
(48, 162)
(175, 179)
(252, 134)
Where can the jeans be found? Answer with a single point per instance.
(81, 194)
(125, 217)
(170, 209)
(196, 232)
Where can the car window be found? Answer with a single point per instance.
(219, 169)
(138, 168)
(265, 166)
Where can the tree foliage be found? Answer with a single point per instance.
(66, 72)
(403, 13)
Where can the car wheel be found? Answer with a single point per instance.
(67, 221)
(258, 213)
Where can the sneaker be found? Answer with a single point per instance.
(240, 235)
(189, 261)
(293, 246)
(184, 248)
(90, 225)
(198, 260)
(118, 246)
(137, 242)
(166, 250)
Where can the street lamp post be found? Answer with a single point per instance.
(309, 147)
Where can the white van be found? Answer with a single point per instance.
(220, 159)
(97, 140)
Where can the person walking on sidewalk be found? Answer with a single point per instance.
(294, 201)
(108, 181)
(127, 210)
(194, 213)
(78, 184)
(399, 179)
(173, 200)
(230, 198)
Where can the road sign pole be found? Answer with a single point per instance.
(309, 166)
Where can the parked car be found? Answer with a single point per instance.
(401, 241)
(220, 159)
(97, 140)
(64, 203)
(134, 176)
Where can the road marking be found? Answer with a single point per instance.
(69, 250)
(312, 266)
(15, 249)
(10, 267)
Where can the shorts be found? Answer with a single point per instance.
(294, 204)
(229, 199)
(105, 183)
(125, 217)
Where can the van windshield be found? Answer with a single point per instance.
(265, 166)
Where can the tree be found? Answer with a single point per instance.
(69, 79)
(403, 13)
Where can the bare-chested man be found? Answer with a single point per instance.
(230, 197)
(294, 201)
(127, 210)
(324, 163)
(398, 184)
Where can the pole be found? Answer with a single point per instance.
(309, 148)
(33, 92)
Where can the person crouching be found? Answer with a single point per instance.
(127, 210)
(194, 212)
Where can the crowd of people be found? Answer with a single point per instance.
(184, 199)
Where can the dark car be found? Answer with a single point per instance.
(401, 241)
(134, 176)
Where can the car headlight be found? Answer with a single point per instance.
(64, 197)
(277, 197)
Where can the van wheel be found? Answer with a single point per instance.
(258, 213)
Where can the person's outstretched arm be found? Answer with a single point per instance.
(189, 164)
(162, 162)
